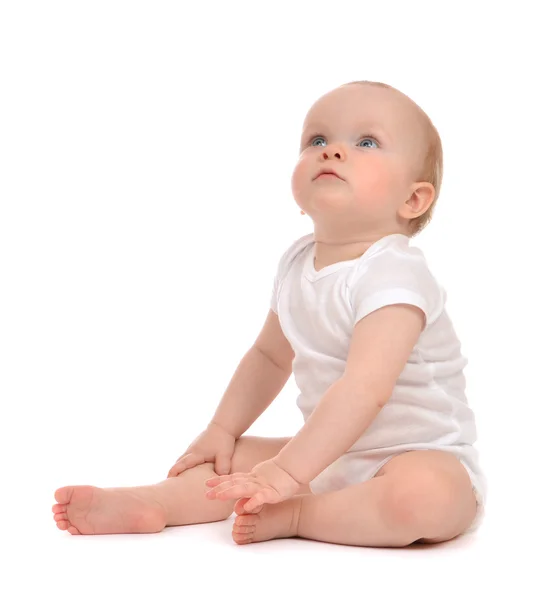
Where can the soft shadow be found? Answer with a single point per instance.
(462, 541)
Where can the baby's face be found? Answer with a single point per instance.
(373, 139)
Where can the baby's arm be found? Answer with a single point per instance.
(380, 346)
(260, 376)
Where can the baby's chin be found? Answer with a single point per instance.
(331, 216)
(329, 196)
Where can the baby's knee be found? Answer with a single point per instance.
(421, 502)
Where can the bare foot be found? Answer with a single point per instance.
(84, 509)
(267, 522)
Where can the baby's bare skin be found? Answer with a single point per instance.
(85, 510)
(406, 502)
(178, 501)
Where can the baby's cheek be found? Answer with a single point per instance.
(376, 183)
(299, 179)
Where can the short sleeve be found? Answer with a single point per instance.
(285, 263)
(396, 278)
(274, 296)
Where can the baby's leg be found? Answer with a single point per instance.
(147, 509)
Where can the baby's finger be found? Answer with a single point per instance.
(187, 462)
(217, 479)
(254, 502)
(236, 490)
(175, 470)
(231, 482)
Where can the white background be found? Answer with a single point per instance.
(146, 150)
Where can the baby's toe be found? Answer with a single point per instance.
(244, 529)
(72, 530)
(61, 516)
(63, 495)
(63, 524)
(245, 520)
(58, 508)
(242, 538)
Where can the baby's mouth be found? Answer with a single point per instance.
(328, 175)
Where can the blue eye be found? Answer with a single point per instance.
(315, 138)
(363, 138)
(369, 138)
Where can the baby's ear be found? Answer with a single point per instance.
(421, 198)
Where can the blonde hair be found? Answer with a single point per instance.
(432, 166)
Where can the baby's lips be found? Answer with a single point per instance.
(328, 171)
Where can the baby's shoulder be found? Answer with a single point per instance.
(393, 258)
(294, 250)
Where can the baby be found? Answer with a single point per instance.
(385, 456)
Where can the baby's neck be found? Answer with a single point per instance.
(330, 250)
(327, 254)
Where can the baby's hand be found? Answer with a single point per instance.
(267, 483)
(214, 445)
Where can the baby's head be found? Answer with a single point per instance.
(387, 152)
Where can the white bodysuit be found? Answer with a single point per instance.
(428, 407)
